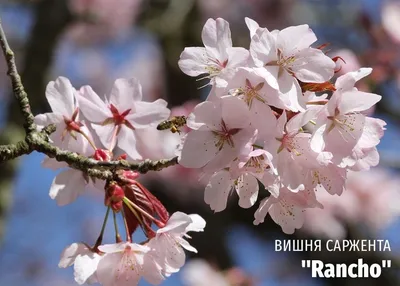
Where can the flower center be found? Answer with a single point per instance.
(289, 143)
(225, 135)
(118, 118)
(72, 125)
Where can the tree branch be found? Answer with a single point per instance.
(17, 86)
(39, 141)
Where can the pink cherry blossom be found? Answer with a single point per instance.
(365, 155)
(60, 95)
(286, 56)
(219, 130)
(242, 177)
(122, 264)
(218, 59)
(287, 209)
(121, 114)
(340, 123)
(291, 151)
(167, 254)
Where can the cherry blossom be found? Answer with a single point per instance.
(122, 264)
(219, 131)
(122, 112)
(264, 125)
(286, 56)
(243, 178)
(167, 255)
(218, 59)
(287, 209)
(340, 124)
(60, 95)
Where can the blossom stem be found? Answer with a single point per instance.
(88, 139)
(100, 238)
(128, 236)
(117, 236)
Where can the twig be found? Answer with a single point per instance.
(17, 86)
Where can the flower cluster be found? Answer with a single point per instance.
(265, 126)
(266, 121)
(99, 129)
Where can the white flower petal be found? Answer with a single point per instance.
(60, 95)
(67, 186)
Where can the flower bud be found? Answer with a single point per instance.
(102, 155)
(114, 196)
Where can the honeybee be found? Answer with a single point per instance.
(173, 124)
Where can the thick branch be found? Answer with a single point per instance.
(38, 140)
(11, 151)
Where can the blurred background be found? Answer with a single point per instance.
(97, 41)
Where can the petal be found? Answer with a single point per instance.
(205, 116)
(149, 114)
(332, 178)
(356, 101)
(287, 215)
(125, 92)
(365, 159)
(217, 35)
(105, 134)
(217, 190)
(198, 149)
(342, 138)
(114, 270)
(113, 247)
(312, 65)
(347, 81)
(152, 271)
(317, 142)
(252, 26)
(247, 190)
(193, 61)
(372, 133)
(226, 155)
(92, 107)
(67, 186)
(42, 120)
(290, 92)
(127, 142)
(263, 48)
(235, 112)
(237, 57)
(209, 34)
(295, 38)
(85, 267)
(177, 223)
(60, 95)
(263, 119)
(198, 223)
(262, 211)
(186, 245)
(70, 253)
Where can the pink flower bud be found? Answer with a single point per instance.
(130, 175)
(102, 155)
(114, 196)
